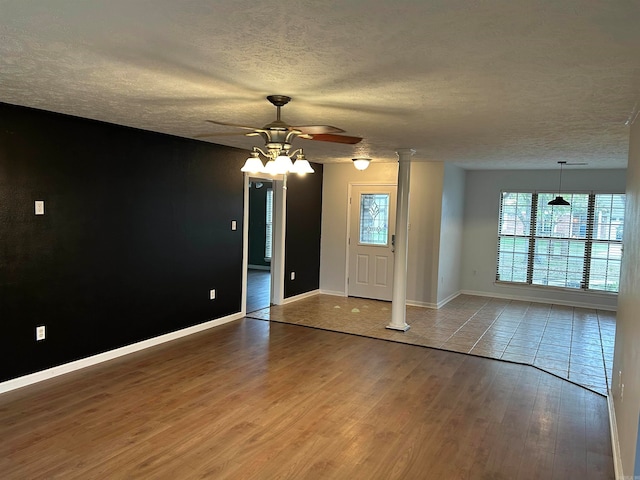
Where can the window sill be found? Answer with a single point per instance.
(599, 293)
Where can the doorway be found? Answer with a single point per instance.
(260, 244)
(372, 218)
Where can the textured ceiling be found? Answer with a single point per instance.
(482, 84)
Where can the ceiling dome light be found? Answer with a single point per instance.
(361, 163)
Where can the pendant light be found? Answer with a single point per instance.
(559, 200)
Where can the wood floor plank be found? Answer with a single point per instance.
(259, 400)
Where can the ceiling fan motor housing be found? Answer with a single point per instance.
(279, 100)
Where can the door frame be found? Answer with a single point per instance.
(277, 240)
(349, 195)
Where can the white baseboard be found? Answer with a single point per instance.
(434, 306)
(615, 442)
(42, 375)
(524, 298)
(442, 303)
(334, 293)
(300, 297)
(416, 303)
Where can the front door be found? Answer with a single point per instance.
(371, 229)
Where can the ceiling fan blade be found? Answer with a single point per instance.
(329, 137)
(317, 129)
(219, 134)
(227, 124)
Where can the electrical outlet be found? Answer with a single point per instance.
(41, 333)
(234, 225)
(212, 294)
(39, 207)
(293, 275)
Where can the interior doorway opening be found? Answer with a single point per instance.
(260, 244)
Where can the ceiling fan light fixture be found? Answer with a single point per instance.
(361, 163)
(301, 166)
(278, 136)
(283, 164)
(270, 168)
(253, 164)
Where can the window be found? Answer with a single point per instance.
(269, 225)
(576, 246)
(374, 219)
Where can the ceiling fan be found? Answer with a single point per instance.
(279, 134)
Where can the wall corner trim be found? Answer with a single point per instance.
(42, 375)
(615, 442)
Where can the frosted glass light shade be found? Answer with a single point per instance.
(283, 164)
(270, 168)
(253, 165)
(361, 163)
(302, 166)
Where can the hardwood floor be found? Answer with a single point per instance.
(256, 399)
(258, 289)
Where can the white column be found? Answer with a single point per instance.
(399, 297)
(278, 239)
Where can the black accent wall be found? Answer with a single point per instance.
(136, 231)
(302, 241)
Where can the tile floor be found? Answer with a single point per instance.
(569, 342)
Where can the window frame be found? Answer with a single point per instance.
(268, 220)
(521, 233)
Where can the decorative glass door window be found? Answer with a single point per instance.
(374, 219)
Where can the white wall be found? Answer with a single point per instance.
(333, 243)
(425, 205)
(451, 233)
(479, 250)
(627, 350)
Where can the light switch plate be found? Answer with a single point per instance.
(234, 225)
(39, 207)
(41, 333)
